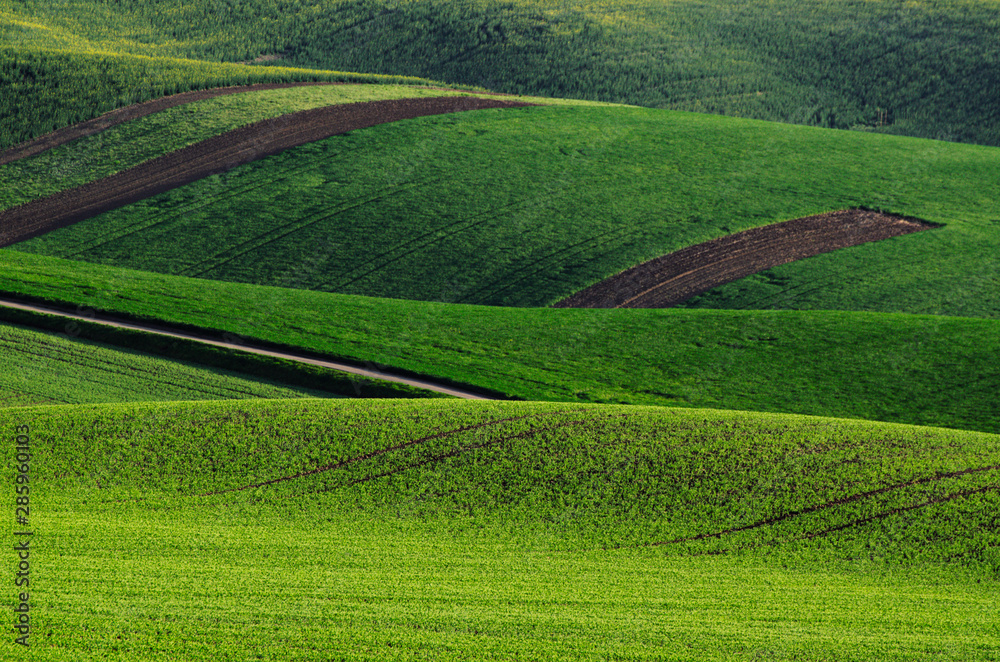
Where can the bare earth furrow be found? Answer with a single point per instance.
(129, 113)
(219, 154)
(673, 278)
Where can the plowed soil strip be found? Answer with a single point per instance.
(129, 113)
(666, 281)
(219, 154)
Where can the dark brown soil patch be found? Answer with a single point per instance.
(218, 154)
(666, 281)
(128, 113)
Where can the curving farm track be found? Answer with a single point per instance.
(207, 338)
(218, 154)
(678, 276)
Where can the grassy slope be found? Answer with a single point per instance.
(545, 201)
(831, 281)
(931, 68)
(917, 369)
(50, 89)
(127, 145)
(48, 368)
(465, 531)
(132, 143)
(185, 359)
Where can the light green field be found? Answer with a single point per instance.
(477, 531)
(345, 529)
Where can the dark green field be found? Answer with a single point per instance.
(48, 368)
(929, 370)
(317, 530)
(924, 69)
(127, 145)
(523, 207)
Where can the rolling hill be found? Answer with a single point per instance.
(917, 68)
(458, 530)
(920, 369)
(544, 200)
(807, 472)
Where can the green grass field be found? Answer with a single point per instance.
(56, 88)
(929, 370)
(48, 368)
(522, 207)
(127, 145)
(918, 68)
(476, 531)
(684, 484)
(122, 147)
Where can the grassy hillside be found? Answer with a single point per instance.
(122, 147)
(926, 69)
(52, 89)
(831, 281)
(459, 531)
(522, 207)
(48, 368)
(931, 370)
(52, 359)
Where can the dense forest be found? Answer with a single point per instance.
(929, 69)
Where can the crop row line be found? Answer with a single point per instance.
(293, 227)
(166, 216)
(830, 504)
(443, 456)
(464, 224)
(368, 456)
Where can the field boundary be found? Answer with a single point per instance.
(260, 349)
(219, 154)
(673, 278)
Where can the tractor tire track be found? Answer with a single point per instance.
(424, 383)
(443, 456)
(830, 504)
(368, 456)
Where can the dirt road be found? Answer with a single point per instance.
(364, 373)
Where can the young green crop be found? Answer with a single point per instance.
(451, 530)
(926, 69)
(49, 368)
(51, 89)
(930, 370)
(522, 207)
(124, 146)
